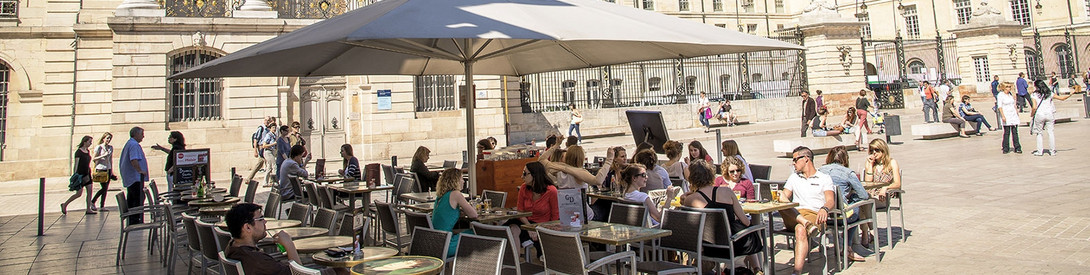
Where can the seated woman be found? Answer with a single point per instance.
(697, 152)
(818, 125)
(725, 113)
(570, 173)
(450, 205)
(483, 145)
(951, 115)
(836, 166)
(658, 178)
(350, 166)
(880, 169)
(706, 195)
(675, 168)
(634, 177)
(848, 124)
(606, 179)
(971, 115)
(537, 195)
(426, 177)
(733, 169)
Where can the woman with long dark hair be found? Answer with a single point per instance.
(537, 195)
(82, 178)
(1043, 114)
(697, 151)
(177, 143)
(350, 166)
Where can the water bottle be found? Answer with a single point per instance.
(200, 189)
(356, 247)
(280, 247)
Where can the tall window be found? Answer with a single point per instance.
(5, 73)
(568, 87)
(980, 64)
(683, 5)
(649, 5)
(779, 6)
(1063, 57)
(964, 10)
(912, 23)
(654, 84)
(1033, 64)
(194, 98)
(751, 28)
(717, 5)
(690, 84)
(747, 5)
(9, 8)
(1020, 11)
(865, 30)
(756, 77)
(724, 83)
(434, 93)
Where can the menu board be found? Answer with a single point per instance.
(570, 202)
(190, 164)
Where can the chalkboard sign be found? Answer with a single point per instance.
(190, 164)
(571, 201)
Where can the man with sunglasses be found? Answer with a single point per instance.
(814, 192)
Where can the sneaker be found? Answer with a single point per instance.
(1052, 153)
(1018, 151)
(1037, 153)
(1006, 152)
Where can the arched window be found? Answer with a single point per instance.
(756, 77)
(654, 84)
(5, 78)
(1064, 60)
(783, 76)
(916, 66)
(194, 98)
(690, 84)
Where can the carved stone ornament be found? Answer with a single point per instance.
(845, 56)
(199, 40)
(1012, 52)
(985, 15)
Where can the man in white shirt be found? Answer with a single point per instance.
(813, 191)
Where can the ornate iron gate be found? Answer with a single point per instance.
(896, 65)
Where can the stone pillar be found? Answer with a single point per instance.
(833, 55)
(255, 9)
(143, 8)
(990, 35)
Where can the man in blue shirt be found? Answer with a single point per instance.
(134, 171)
(268, 147)
(1023, 92)
(256, 140)
(995, 86)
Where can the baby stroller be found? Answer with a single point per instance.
(879, 122)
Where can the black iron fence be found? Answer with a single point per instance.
(1064, 54)
(754, 75)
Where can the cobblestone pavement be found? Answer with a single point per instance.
(969, 209)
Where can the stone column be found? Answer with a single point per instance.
(255, 9)
(833, 55)
(990, 35)
(144, 8)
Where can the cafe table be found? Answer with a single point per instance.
(326, 180)
(370, 253)
(353, 190)
(620, 234)
(766, 208)
(401, 265)
(218, 210)
(212, 202)
(320, 243)
(559, 226)
(615, 195)
(422, 196)
(297, 233)
(189, 196)
(491, 216)
(271, 224)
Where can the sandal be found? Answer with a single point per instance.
(856, 258)
(866, 241)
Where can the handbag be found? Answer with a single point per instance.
(77, 181)
(100, 176)
(576, 119)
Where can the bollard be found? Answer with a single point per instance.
(41, 206)
(393, 161)
(719, 144)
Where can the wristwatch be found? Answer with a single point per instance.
(824, 208)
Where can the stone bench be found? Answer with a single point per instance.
(1061, 116)
(939, 130)
(819, 145)
(738, 120)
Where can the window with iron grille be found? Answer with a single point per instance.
(916, 67)
(751, 28)
(1020, 12)
(683, 5)
(717, 5)
(649, 5)
(865, 30)
(779, 6)
(912, 22)
(654, 84)
(747, 5)
(980, 64)
(1087, 7)
(9, 8)
(1033, 64)
(690, 84)
(194, 98)
(1063, 58)
(964, 10)
(434, 93)
(5, 72)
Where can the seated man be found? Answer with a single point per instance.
(725, 113)
(247, 227)
(814, 192)
(293, 166)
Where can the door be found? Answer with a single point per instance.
(323, 116)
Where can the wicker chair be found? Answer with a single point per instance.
(479, 255)
(299, 269)
(760, 172)
(324, 219)
(193, 241)
(430, 242)
(311, 194)
(563, 253)
(718, 234)
(272, 206)
(511, 263)
(223, 238)
(449, 164)
(299, 212)
(498, 198)
(388, 172)
(296, 190)
(688, 229)
(629, 214)
(125, 211)
(209, 247)
(841, 220)
(236, 183)
(251, 191)
(328, 199)
(404, 183)
(348, 226)
(231, 266)
(388, 221)
(175, 237)
(416, 219)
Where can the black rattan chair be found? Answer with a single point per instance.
(563, 253)
(430, 242)
(688, 229)
(479, 255)
(511, 262)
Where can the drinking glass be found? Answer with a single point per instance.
(775, 188)
(738, 194)
(487, 205)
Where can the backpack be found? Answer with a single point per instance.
(257, 136)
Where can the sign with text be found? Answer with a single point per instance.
(191, 164)
(385, 100)
(571, 202)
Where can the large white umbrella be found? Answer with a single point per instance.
(492, 37)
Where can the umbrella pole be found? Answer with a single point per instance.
(471, 101)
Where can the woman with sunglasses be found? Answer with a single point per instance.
(537, 195)
(733, 169)
(701, 176)
(881, 169)
(633, 177)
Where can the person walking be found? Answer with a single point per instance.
(1023, 92)
(268, 146)
(971, 115)
(259, 159)
(576, 119)
(82, 178)
(1009, 118)
(177, 143)
(995, 86)
(1043, 114)
(943, 89)
(134, 172)
(103, 158)
(862, 108)
(930, 107)
(809, 111)
(1053, 83)
(295, 137)
(702, 113)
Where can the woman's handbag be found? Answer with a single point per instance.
(576, 119)
(100, 176)
(77, 181)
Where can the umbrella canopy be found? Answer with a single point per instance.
(493, 37)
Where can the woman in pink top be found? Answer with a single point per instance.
(733, 169)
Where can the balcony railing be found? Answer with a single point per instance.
(288, 9)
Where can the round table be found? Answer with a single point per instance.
(370, 253)
(189, 196)
(271, 224)
(401, 265)
(297, 233)
(320, 243)
(218, 210)
(211, 202)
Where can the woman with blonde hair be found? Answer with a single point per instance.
(731, 149)
(426, 177)
(881, 170)
(706, 195)
(633, 178)
(1006, 107)
(103, 159)
(732, 178)
(449, 206)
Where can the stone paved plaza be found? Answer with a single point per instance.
(969, 208)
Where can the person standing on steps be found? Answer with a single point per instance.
(702, 112)
(809, 111)
(576, 119)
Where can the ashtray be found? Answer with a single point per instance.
(336, 252)
(512, 212)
